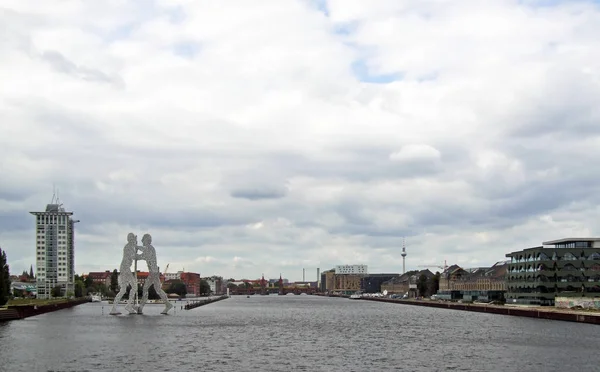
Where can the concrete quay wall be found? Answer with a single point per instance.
(207, 301)
(581, 302)
(14, 312)
(8, 314)
(540, 313)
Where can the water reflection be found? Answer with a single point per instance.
(284, 333)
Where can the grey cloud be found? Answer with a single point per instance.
(61, 64)
(264, 182)
(92, 212)
(12, 193)
(359, 164)
(259, 192)
(11, 221)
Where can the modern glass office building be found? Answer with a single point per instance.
(564, 267)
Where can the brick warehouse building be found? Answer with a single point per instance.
(192, 283)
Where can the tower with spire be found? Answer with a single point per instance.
(403, 256)
(280, 285)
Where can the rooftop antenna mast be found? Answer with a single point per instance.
(58, 200)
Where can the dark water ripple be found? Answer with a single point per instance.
(295, 333)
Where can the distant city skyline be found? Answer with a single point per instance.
(272, 137)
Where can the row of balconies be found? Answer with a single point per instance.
(561, 283)
(566, 267)
(553, 278)
(566, 257)
(551, 275)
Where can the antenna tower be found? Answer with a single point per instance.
(403, 256)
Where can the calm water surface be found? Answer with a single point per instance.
(295, 333)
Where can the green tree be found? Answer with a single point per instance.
(152, 294)
(79, 288)
(89, 283)
(434, 283)
(114, 281)
(231, 285)
(127, 291)
(101, 287)
(178, 287)
(422, 285)
(4, 278)
(204, 287)
(57, 291)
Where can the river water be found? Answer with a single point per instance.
(294, 333)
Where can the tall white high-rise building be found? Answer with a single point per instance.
(55, 250)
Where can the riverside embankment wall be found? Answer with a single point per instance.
(207, 301)
(24, 311)
(541, 313)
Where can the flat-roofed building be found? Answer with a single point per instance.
(328, 280)
(570, 267)
(372, 282)
(192, 283)
(55, 250)
(351, 269)
(347, 283)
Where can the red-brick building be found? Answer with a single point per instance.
(192, 283)
(143, 275)
(102, 277)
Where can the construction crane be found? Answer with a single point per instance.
(165, 273)
(444, 268)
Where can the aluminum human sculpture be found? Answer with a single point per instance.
(149, 255)
(128, 278)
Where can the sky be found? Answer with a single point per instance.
(266, 137)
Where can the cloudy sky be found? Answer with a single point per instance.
(254, 137)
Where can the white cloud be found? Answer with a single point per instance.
(415, 152)
(247, 131)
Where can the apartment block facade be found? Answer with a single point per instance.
(569, 267)
(55, 250)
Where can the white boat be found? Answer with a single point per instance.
(356, 296)
(96, 298)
